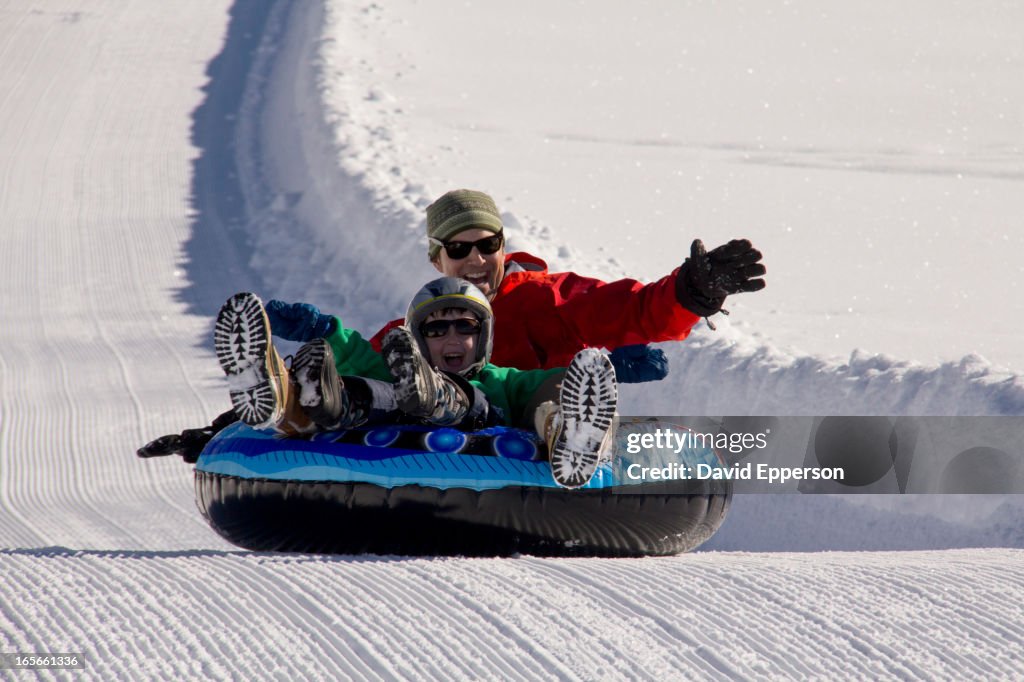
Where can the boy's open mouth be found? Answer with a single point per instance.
(454, 362)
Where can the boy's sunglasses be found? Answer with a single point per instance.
(437, 328)
(459, 250)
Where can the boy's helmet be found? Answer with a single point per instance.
(452, 292)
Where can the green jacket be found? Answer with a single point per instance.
(508, 389)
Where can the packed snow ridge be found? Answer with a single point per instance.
(316, 194)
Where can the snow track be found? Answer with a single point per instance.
(138, 191)
(222, 614)
(94, 199)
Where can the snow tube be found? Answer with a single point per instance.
(420, 491)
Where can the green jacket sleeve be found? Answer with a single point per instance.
(355, 356)
(512, 390)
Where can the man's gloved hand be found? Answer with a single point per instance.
(707, 277)
(298, 321)
(639, 363)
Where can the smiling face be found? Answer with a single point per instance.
(484, 271)
(452, 352)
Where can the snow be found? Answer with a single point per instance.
(158, 157)
(214, 614)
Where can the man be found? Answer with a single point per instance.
(541, 318)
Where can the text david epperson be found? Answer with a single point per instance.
(740, 472)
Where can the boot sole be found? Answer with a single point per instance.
(241, 340)
(319, 384)
(410, 383)
(587, 400)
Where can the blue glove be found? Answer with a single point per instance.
(298, 321)
(640, 363)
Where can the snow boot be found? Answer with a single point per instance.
(578, 431)
(324, 396)
(257, 378)
(420, 390)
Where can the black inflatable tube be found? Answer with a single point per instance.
(363, 518)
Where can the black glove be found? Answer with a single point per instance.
(706, 278)
(189, 443)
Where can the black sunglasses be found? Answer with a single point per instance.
(459, 250)
(437, 328)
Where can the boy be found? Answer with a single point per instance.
(434, 369)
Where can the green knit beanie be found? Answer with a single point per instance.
(459, 210)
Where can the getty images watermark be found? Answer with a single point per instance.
(676, 440)
(873, 454)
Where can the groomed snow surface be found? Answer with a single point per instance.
(158, 157)
(210, 614)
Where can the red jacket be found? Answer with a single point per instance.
(542, 319)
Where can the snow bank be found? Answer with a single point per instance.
(729, 372)
(325, 223)
(335, 219)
